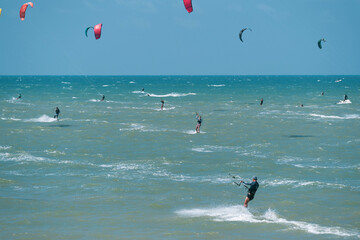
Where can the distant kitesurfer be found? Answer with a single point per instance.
(302, 105)
(199, 120)
(345, 97)
(142, 89)
(261, 101)
(103, 98)
(162, 104)
(322, 94)
(57, 113)
(254, 185)
(19, 96)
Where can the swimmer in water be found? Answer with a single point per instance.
(199, 120)
(57, 113)
(162, 104)
(261, 101)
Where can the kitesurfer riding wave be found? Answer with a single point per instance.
(254, 185)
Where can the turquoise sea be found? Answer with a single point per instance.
(125, 169)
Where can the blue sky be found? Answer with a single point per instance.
(159, 37)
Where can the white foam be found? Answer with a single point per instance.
(347, 116)
(5, 147)
(191, 132)
(173, 94)
(43, 118)
(344, 102)
(21, 157)
(240, 214)
(105, 85)
(220, 85)
(17, 101)
(164, 109)
(94, 100)
(12, 119)
(132, 82)
(296, 183)
(54, 152)
(135, 127)
(122, 166)
(201, 150)
(65, 82)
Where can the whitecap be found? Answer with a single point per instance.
(296, 183)
(347, 116)
(54, 152)
(201, 150)
(5, 147)
(173, 94)
(219, 85)
(21, 157)
(12, 119)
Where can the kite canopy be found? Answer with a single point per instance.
(86, 31)
(23, 10)
(241, 33)
(188, 5)
(0, 11)
(97, 30)
(319, 42)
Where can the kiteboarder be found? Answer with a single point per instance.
(345, 97)
(162, 104)
(199, 120)
(322, 94)
(103, 98)
(19, 96)
(261, 101)
(254, 185)
(57, 113)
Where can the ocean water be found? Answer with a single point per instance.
(125, 169)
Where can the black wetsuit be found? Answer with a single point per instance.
(252, 189)
(345, 97)
(57, 112)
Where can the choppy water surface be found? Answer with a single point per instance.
(125, 169)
